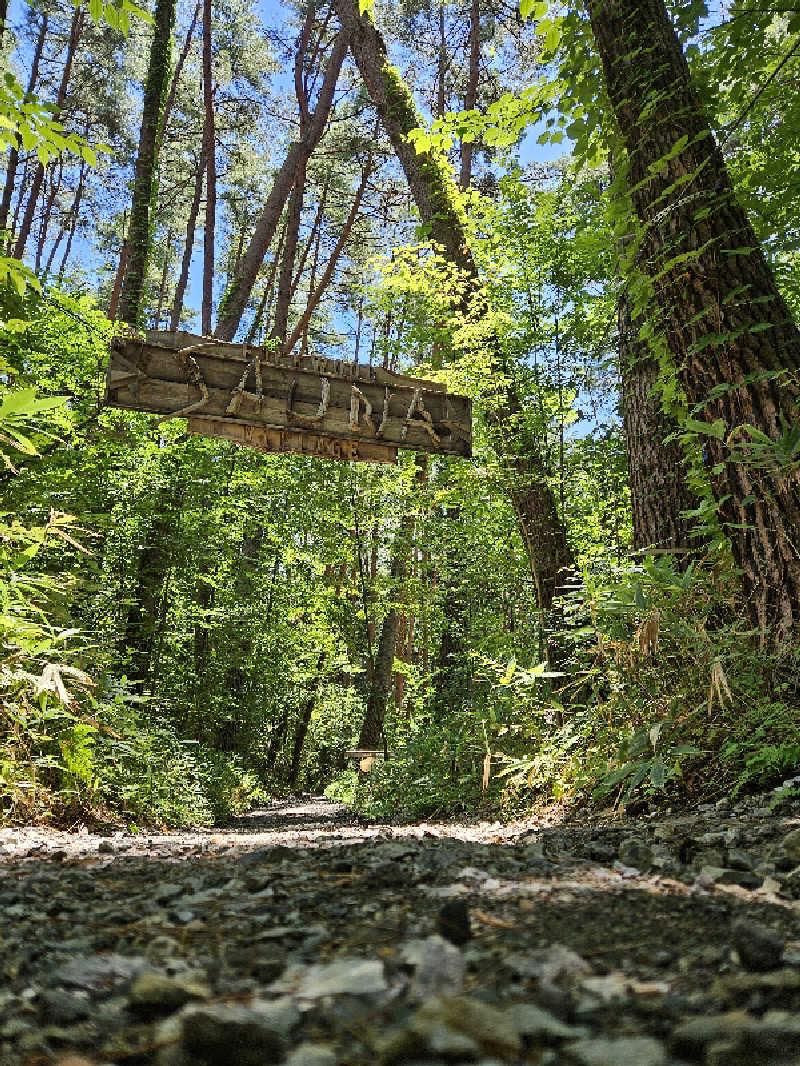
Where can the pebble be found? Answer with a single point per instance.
(594, 941)
(759, 947)
(617, 1051)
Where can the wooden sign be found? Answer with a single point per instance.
(307, 405)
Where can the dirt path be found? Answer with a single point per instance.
(301, 935)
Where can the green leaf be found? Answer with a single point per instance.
(657, 774)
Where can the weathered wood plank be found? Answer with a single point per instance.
(179, 374)
(295, 441)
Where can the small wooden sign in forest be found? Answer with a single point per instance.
(307, 405)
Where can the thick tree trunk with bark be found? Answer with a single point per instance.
(434, 193)
(146, 168)
(235, 302)
(723, 316)
(656, 469)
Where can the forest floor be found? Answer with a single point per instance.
(301, 935)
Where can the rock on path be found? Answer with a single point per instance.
(306, 938)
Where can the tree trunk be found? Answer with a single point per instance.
(73, 222)
(55, 186)
(13, 155)
(317, 293)
(162, 288)
(304, 720)
(471, 94)
(381, 680)
(230, 314)
(176, 76)
(145, 182)
(210, 152)
(280, 324)
(434, 194)
(142, 621)
(75, 32)
(265, 305)
(186, 262)
(724, 319)
(659, 493)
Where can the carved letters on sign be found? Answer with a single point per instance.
(305, 404)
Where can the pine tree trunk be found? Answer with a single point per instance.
(280, 324)
(471, 94)
(304, 720)
(656, 469)
(145, 182)
(55, 186)
(142, 621)
(186, 261)
(723, 316)
(267, 297)
(176, 76)
(73, 222)
(13, 155)
(75, 33)
(433, 191)
(210, 152)
(317, 292)
(235, 302)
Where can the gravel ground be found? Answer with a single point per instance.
(306, 937)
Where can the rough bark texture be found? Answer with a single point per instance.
(230, 314)
(656, 469)
(434, 194)
(145, 172)
(723, 316)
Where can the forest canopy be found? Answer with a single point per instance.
(582, 218)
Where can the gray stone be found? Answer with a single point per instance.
(538, 1026)
(62, 1008)
(692, 1037)
(554, 965)
(791, 845)
(351, 976)
(636, 853)
(617, 1051)
(100, 973)
(156, 993)
(759, 947)
(491, 1029)
(742, 878)
(224, 1033)
(438, 967)
(307, 1054)
(739, 859)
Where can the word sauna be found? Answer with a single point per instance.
(275, 403)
